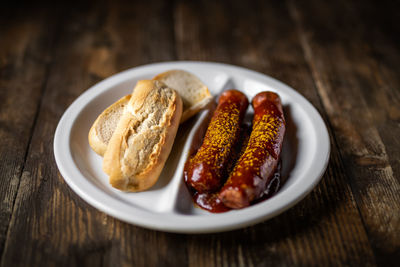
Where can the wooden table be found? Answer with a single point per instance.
(342, 56)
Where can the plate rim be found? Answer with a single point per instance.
(144, 218)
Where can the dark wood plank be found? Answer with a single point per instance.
(315, 231)
(51, 224)
(361, 104)
(24, 62)
(381, 33)
(307, 46)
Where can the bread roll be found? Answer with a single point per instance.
(104, 126)
(143, 137)
(195, 96)
(194, 93)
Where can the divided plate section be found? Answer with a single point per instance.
(169, 194)
(168, 206)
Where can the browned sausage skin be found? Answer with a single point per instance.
(207, 170)
(256, 166)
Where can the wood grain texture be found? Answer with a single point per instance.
(356, 103)
(24, 61)
(382, 37)
(279, 55)
(342, 56)
(59, 229)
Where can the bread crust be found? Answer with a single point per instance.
(190, 107)
(140, 175)
(200, 100)
(95, 137)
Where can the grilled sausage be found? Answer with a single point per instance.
(208, 169)
(256, 166)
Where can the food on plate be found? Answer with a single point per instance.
(206, 171)
(103, 128)
(194, 94)
(236, 164)
(256, 173)
(210, 201)
(256, 167)
(143, 138)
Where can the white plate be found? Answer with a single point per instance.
(168, 206)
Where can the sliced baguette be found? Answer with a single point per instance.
(143, 138)
(103, 128)
(194, 94)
